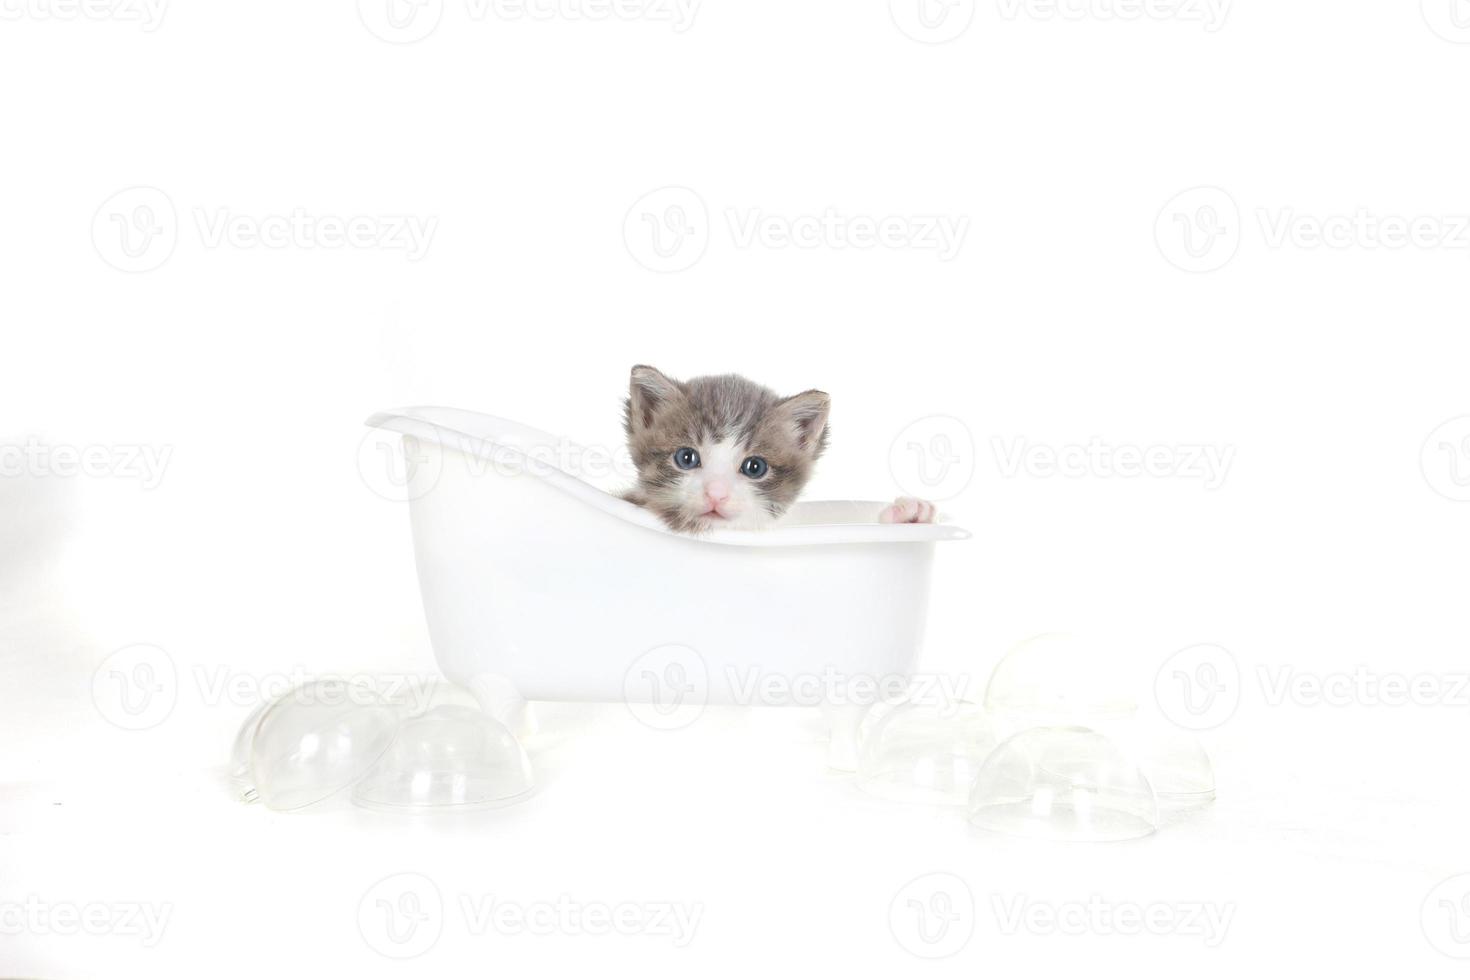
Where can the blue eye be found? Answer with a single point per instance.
(686, 458)
(754, 467)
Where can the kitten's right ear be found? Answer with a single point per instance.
(648, 391)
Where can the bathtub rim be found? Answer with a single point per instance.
(494, 439)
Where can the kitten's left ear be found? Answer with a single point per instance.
(804, 417)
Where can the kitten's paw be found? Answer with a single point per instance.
(908, 510)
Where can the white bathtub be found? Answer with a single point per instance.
(538, 585)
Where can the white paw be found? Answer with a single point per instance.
(908, 510)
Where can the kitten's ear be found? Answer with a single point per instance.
(648, 390)
(804, 417)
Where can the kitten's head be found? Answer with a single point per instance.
(720, 451)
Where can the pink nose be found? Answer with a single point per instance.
(717, 493)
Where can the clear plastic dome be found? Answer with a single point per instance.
(451, 756)
(923, 752)
(1177, 766)
(1068, 784)
(315, 740)
(1059, 679)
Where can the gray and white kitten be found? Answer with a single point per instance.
(720, 451)
(725, 452)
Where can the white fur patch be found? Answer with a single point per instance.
(720, 466)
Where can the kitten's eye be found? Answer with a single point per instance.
(686, 458)
(754, 467)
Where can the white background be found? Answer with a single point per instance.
(1073, 310)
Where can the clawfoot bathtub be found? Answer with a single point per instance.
(538, 585)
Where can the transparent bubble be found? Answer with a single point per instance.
(432, 748)
(923, 751)
(315, 740)
(452, 756)
(1067, 784)
(1061, 679)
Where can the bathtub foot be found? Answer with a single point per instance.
(843, 720)
(501, 701)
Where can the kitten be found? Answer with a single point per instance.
(724, 452)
